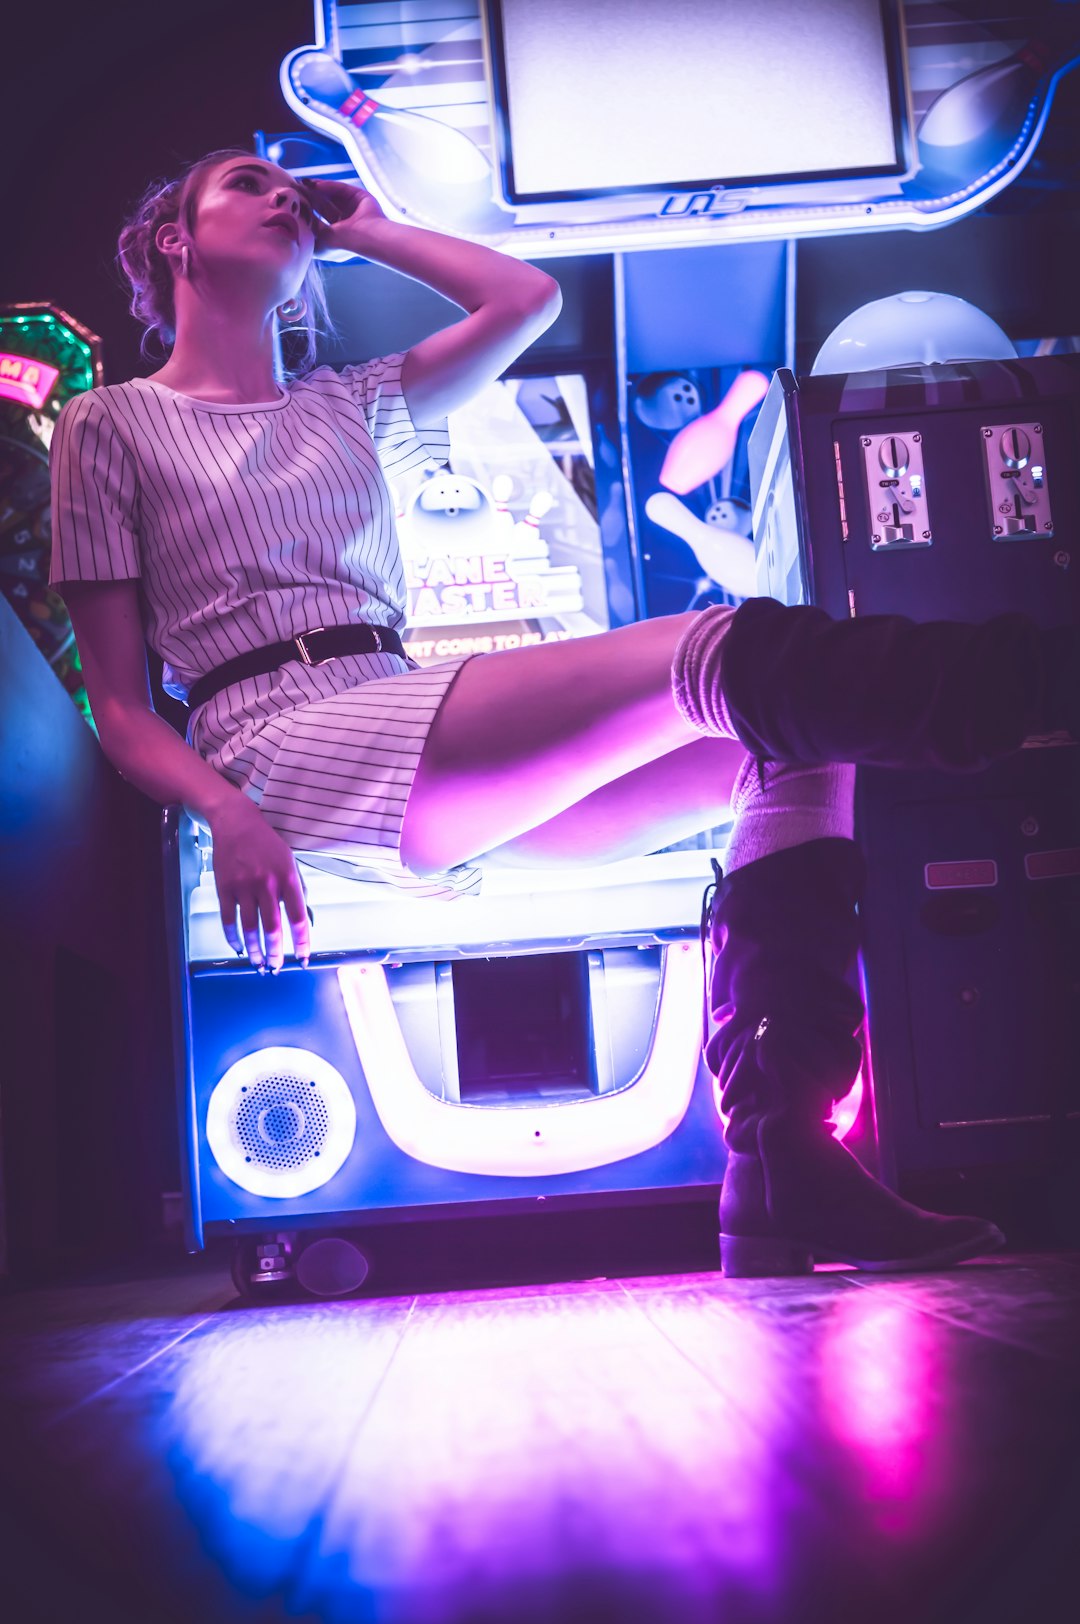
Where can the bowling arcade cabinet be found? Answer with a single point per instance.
(948, 491)
(537, 1042)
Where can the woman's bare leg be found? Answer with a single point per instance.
(525, 733)
(666, 800)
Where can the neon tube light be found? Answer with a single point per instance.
(25, 380)
(529, 1141)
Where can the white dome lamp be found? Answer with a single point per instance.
(912, 329)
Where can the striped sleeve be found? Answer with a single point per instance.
(401, 446)
(94, 497)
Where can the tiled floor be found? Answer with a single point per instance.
(664, 1450)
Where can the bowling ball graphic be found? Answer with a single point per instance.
(667, 401)
(730, 514)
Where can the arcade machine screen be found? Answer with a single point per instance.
(685, 87)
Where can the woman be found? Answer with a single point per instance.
(217, 515)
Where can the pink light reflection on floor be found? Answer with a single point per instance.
(881, 1369)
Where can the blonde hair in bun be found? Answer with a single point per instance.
(149, 273)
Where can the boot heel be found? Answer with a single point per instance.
(745, 1256)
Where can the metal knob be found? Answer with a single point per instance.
(893, 456)
(1015, 449)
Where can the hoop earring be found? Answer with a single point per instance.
(293, 310)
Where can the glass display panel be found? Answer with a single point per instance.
(511, 544)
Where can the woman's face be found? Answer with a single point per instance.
(251, 216)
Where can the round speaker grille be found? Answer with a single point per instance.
(281, 1122)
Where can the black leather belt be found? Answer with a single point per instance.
(311, 648)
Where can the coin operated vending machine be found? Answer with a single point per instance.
(948, 490)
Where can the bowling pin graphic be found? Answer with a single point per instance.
(726, 556)
(502, 488)
(707, 444)
(550, 588)
(973, 125)
(429, 169)
(527, 540)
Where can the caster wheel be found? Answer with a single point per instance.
(262, 1271)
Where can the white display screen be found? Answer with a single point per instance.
(629, 95)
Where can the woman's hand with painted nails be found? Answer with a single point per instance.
(256, 877)
(342, 213)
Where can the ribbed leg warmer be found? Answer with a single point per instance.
(695, 672)
(777, 807)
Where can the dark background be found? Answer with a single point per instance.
(101, 99)
(97, 101)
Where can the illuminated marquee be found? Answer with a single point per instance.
(25, 380)
(407, 98)
(453, 588)
(482, 589)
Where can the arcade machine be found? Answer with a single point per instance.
(540, 1041)
(536, 1043)
(45, 358)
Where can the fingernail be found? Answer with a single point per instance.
(275, 969)
(304, 962)
(239, 951)
(261, 969)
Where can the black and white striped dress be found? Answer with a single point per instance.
(245, 525)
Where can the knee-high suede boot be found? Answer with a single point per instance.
(784, 935)
(794, 685)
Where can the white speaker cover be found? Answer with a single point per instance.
(281, 1122)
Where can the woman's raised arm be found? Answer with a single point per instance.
(509, 302)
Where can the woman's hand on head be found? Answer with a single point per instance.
(256, 877)
(341, 211)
